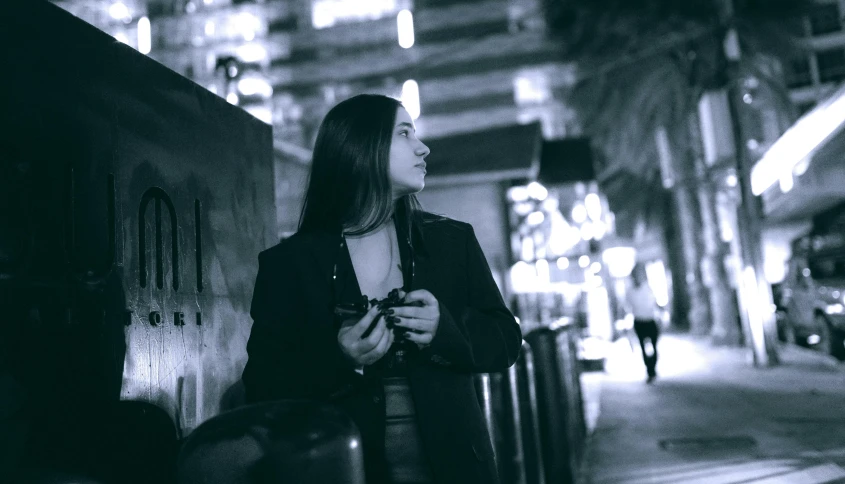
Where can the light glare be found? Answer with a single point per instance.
(144, 36)
(405, 28)
(411, 98)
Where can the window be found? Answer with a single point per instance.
(825, 18)
(798, 72)
(831, 65)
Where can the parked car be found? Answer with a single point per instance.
(813, 294)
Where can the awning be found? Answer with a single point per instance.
(800, 143)
(804, 170)
(498, 154)
(822, 186)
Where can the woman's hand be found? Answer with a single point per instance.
(365, 351)
(422, 320)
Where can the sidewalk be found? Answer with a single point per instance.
(712, 418)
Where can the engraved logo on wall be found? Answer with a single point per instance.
(160, 197)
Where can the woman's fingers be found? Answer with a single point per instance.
(419, 338)
(364, 323)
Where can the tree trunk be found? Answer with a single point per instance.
(725, 322)
(688, 227)
(679, 176)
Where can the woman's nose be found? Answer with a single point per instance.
(423, 150)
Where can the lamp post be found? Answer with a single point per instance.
(755, 295)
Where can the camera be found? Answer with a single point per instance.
(358, 310)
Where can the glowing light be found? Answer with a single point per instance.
(834, 309)
(353, 444)
(405, 28)
(535, 218)
(118, 11)
(248, 24)
(731, 180)
(232, 98)
(325, 13)
(144, 36)
(595, 267)
(599, 230)
(799, 142)
(523, 277)
(261, 112)
(518, 194)
(531, 87)
(584, 261)
(121, 37)
(537, 191)
(786, 182)
(209, 28)
(550, 205)
(523, 208)
(543, 276)
(801, 167)
(620, 261)
(252, 52)
(593, 206)
(579, 213)
(411, 98)
(527, 248)
(255, 86)
(562, 263)
(813, 339)
(587, 232)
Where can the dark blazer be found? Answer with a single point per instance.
(293, 349)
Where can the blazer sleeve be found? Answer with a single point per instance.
(285, 360)
(485, 337)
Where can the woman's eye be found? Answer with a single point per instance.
(403, 133)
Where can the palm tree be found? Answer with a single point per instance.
(644, 66)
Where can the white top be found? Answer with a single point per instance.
(641, 300)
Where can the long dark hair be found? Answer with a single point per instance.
(349, 186)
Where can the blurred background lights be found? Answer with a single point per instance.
(587, 232)
(550, 204)
(255, 86)
(535, 218)
(121, 37)
(232, 98)
(537, 191)
(543, 275)
(562, 263)
(252, 52)
(209, 28)
(595, 267)
(144, 36)
(518, 194)
(118, 11)
(411, 98)
(620, 261)
(584, 261)
(786, 182)
(731, 180)
(579, 213)
(592, 204)
(405, 28)
(261, 112)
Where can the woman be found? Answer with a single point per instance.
(407, 383)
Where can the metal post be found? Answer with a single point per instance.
(753, 288)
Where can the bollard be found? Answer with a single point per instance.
(558, 400)
(283, 441)
(499, 399)
(567, 352)
(526, 391)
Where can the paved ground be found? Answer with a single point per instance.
(711, 417)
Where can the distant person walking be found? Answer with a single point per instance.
(645, 310)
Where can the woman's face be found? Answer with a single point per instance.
(407, 156)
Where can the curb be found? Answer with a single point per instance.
(810, 354)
